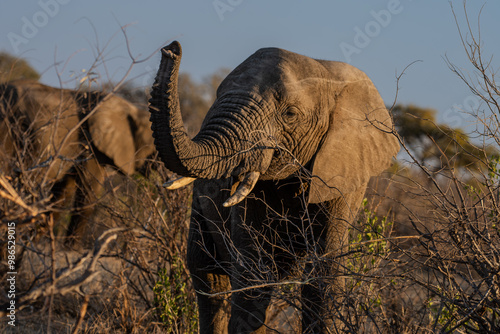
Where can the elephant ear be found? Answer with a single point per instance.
(358, 144)
(111, 134)
(143, 137)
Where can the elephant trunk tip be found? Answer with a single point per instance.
(172, 50)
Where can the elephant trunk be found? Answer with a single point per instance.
(225, 146)
(179, 153)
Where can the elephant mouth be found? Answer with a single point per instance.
(239, 191)
(244, 181)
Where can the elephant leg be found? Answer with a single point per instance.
(64, 193)
(88, 191)
(322, 298)
(316, 295)
(248, 307)
(248, 310)
(322, 306)
(208, 279)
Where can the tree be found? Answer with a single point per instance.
(193, 101)
(438, 145)
(13, 68)
(196, 98)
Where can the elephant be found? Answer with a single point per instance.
(280, 166)
(65, 139)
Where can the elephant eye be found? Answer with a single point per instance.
(291, 113)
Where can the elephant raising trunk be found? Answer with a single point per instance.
(303, 136)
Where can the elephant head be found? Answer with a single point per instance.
(276, 114)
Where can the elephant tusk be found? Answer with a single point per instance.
(244, 188)
(178, 183)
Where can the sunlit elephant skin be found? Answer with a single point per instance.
(40, 135)
(281, 165)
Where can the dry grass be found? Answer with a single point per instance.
(143, 229)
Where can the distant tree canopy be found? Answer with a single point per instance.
(435, 144)
(197, 97)
(13, 68)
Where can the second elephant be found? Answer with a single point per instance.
(62, 140)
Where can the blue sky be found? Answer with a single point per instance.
(381, 37)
